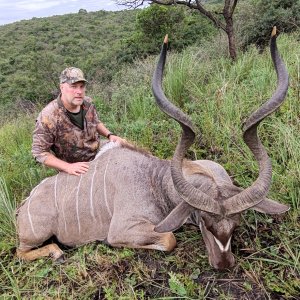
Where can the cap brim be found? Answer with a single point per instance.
(75, 81)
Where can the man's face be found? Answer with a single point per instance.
(72, 95)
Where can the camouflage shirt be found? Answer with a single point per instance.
(55, 132)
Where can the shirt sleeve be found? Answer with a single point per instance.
(43, 137)
(96, 118)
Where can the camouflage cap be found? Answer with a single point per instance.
(71, 75)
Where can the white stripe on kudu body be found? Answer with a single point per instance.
(28, 211)
(77, 203)
(55, 192)
(28, 207)
(63, 203)
(105, 186)
(91, 192)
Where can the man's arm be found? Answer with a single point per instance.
(102, 130)
(43, 139)
(77, 168)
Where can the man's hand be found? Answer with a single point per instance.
(102, 130)
(115, 138)
(77, 168)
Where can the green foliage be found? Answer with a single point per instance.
(16, 162)
(184, 27)
(7, 217)
(176, 286)
(34, 52)
(182, 285)
(262, 15)
(12, 288)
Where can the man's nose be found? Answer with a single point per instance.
(78, 90)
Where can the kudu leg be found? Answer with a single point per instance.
(51, 250)
(141, 236)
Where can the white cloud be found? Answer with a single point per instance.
(15, 10)
(36, 5)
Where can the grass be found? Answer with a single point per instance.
(218, 95)
(7, 212)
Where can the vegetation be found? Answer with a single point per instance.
(184, 26)
(218, 95)
(34, 52)
(219, 12)
(262, 15)
(256, 16)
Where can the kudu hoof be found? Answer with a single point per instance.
(60, 260)
(57, 256)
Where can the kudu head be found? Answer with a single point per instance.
(219, 215)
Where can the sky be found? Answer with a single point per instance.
(16, 10)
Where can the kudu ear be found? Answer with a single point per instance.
(271, 207)
(175, 218)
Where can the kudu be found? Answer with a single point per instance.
(132, 199)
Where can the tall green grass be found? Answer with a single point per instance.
(20, 171)
(7, 217)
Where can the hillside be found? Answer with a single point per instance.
(32, 53)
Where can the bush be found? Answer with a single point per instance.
(262, 15)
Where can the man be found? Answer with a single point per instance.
(66, 135)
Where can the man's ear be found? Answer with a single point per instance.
(271, 207)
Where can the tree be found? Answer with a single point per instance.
(185, 27)
(82, 11)
(221, 19)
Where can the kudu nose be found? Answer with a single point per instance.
(225, 261)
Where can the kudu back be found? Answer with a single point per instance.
(129, 198)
